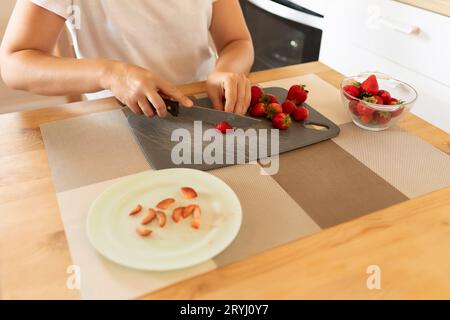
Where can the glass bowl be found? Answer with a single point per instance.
(378, 117)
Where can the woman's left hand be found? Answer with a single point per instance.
(229, 91)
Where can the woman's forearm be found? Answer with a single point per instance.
(40, 73)
(236, 57)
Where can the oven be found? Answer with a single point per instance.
(284, 33)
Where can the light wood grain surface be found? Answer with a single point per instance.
(437, 6)
(410, 241)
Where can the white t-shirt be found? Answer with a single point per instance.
(168, 37)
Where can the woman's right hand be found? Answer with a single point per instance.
(141, 89)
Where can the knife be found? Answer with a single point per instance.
(208, 115)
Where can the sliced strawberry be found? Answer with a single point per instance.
(162, 218)
(177, 214)
(300, 114)
(288, 107)
(197, 217)
(188, 193)
(195, 223)
(370, 86)
(273, 109)
(281, 121)
(165, 204)
(143, 231)
(136, 210)
(258, 110)
(223, 126)
(189, 210)
(150, 217)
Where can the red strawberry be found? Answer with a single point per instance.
(268, 99)
(399, 111)
(385, 95)
(258, 110)
(373, 99)
(352, 106)
(366, 118)
(281, 121)
(364, 110)
(382, 117)
(288, 107)
(352, 90)
(370, 85)
(273, 109)
(223, 127)
(272, 98)
(300, 114)
(257, 93)
(297, 94)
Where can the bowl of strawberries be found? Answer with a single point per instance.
(376, 101)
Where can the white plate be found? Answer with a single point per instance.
(113, 232)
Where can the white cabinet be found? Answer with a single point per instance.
(403, 41)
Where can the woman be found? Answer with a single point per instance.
(137, 50)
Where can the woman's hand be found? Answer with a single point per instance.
(140, 89)
(230, 92)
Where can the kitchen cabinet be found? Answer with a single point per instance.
(392, 37)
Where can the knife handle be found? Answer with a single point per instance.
(172, 106)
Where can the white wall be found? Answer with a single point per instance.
(11, 101)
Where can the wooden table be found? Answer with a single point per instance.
(410, 241)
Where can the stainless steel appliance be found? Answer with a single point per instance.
(283, 32)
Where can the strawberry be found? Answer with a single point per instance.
(364, 110)
(196, 221)
(297, 94)
(162, 218)
(223, 127)
(166, 203)
(300, 114)
(385, 95)
(366, 118)
(382, 117)
(268, 99)
(352, 106)
(150, 217)
(288, 107)
(370, 85)
(136, 210)
(257, 93)
(273, 109)
(189, 210)
(143, 231)
(352, 90)
(281, 121)
(399, 111)
(258, 110)
(373, 99)
(188, 193)
(177, 214)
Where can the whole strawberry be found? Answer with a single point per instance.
(352, 90)
(223, 127)
(382, 117)
(257, 93)
(281, 121)
(370, 86)
(364, 110)
(268, 99)
(385, 95)
(258, 110)
(297, 94)
(288, 107)
(300, 114)
(273, 109)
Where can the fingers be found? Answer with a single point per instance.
(241, 89)
(174, 93)
(133, 106)
(145, 106)
(230, 87)
(215, 94)
(157, 103)
(248, 95)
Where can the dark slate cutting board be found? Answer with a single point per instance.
(154, 135)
